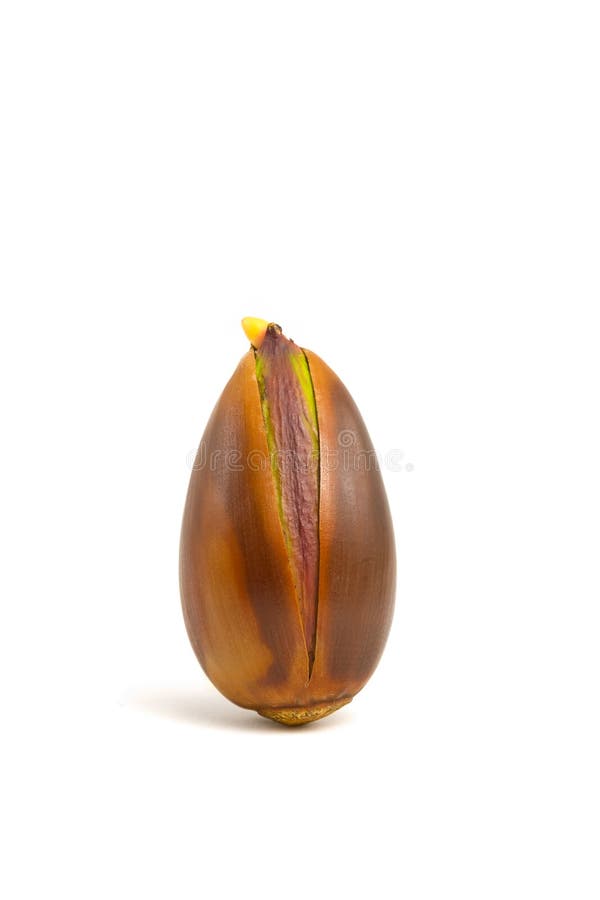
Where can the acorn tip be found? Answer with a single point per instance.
(255, 330)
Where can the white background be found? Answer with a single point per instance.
(412, 190)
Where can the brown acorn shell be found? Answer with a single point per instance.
(239, 602)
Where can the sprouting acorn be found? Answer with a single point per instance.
(287, 563)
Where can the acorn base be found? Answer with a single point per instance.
(302, 715)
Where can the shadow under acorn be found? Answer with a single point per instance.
(208, 709)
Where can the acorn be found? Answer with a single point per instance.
(287, 562)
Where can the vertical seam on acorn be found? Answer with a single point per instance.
(311, 663)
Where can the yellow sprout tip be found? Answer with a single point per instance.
(255, 330)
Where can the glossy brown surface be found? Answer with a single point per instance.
(240, 606)
(357, 553)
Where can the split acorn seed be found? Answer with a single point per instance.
(287, 562)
